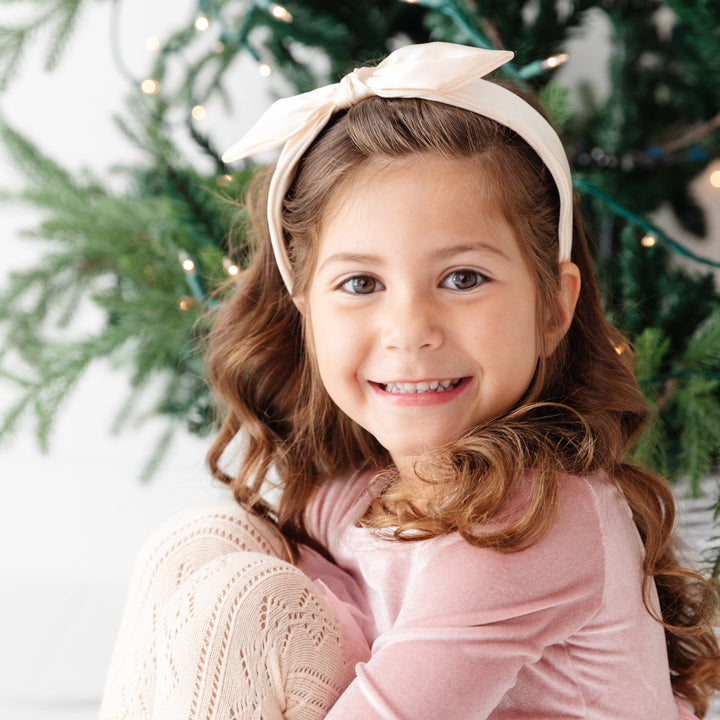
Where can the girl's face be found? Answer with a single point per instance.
(422, 310)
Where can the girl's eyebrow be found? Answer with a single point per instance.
(350, 257)
(469, 247)
(437, 255)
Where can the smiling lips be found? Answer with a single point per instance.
(420, 394)
(406, 388)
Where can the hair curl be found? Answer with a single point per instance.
(581, 413)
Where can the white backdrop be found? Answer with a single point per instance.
(72, 521)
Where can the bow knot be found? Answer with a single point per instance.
(353, 88)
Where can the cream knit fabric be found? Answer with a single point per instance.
(217, 625)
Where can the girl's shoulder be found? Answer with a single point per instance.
(597, 502)
(595, 493)
(592, 537)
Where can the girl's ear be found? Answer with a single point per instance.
(567, 299)
(299, 301)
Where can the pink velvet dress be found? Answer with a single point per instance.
(448, 631)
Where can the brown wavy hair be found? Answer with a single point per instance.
(581, 414)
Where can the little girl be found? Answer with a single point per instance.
(423, 380)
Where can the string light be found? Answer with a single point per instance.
(202, 23)
(538, 67)
(150, 86)
(223, 180)
(186, 261)
(555, 61)
(619, 349)
(648, 228)
(192, 279)
(152, 43)
(230, 267)
(199, 112)
(184, 304)
(280, 13)
(218, 47)
(263, 68)
(648, 241)
(715, 178)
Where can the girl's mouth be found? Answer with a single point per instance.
(429, 386)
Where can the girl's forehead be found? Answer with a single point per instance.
(419, 205)
(468, 178)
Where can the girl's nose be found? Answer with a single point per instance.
(411, 324)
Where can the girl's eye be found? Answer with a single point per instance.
(361, 285)
(463, 279)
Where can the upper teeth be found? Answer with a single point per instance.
(421, 387)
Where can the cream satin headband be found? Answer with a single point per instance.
(443, 72)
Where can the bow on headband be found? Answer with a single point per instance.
(443, 72)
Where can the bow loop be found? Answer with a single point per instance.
(283, 120)
(436, 67)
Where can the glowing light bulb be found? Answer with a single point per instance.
(715, 178)
(230, 267)
(184, 304)
(202, 23)
(648, 241)
(199, 112)
(555, 61)
(265, 70)
(152, 43)
(281, 13)
(619, 349)
(150, 86)
(223, 180)
(219, 47)
(186, 261)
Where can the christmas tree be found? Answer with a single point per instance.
(160, 252)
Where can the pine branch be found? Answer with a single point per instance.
(651, 349)
(64, 16)
(703, 351)
(57, 17)
(699, 416)
(12, 45)
(29, 161)
(684, 397)
(120, 251)
(12, 417)
(162, 447)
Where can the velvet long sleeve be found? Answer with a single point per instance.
(558, 630)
